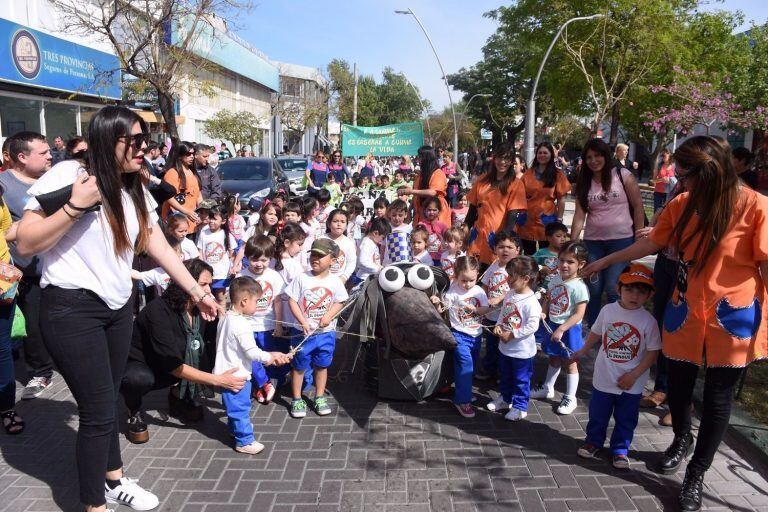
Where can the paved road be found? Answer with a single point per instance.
(368, 455)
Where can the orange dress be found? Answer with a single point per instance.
(719, 316)
(541, 201)
(191, 194)
(492, 207)
(439, 183)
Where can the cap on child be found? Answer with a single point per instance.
(324, 247)
(637, 273)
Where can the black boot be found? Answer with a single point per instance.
(691, 492)
(137, 429)
(681, 447)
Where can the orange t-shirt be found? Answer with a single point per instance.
(541, 201)
(439, 184)
(721, 313)
(191, 194)
(492, 207)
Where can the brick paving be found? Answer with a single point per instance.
(369, 455)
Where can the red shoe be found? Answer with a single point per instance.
(268, 391)
(259, 396)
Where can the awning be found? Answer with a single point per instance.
(152, 117)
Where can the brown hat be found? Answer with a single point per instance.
(324, 247)
(637, 273)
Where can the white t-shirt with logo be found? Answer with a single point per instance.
(461, 319)
(347, 259)
(495, 281)
(424, 258)
(564, 296)
(520, 314)
(370, 259)
(625, 336)
(292, 269)
(84, 257)
(272, 287)
(236, 347)
(448, 261)
(156, 277)
(214, 252)
(315, 296)
(189, 250)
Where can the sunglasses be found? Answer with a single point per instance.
(137, 140)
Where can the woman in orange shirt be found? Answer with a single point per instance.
(545, 189)
(186, 183)
(495, 202)
(428, 183)
(718, 315)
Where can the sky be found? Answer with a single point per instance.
(368, 32)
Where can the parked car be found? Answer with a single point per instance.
(251, 177)
(294, 168)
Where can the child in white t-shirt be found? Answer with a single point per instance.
(369, 261)
(336, 227)
(177, 226)
(453, 241)
(466, 303)
(259, 250)
(630, 343)
(420, 246)
(236, 348)
(515, 328)
(217, 248)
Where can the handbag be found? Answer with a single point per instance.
(631, 208)
(53, 201)
(9, 282)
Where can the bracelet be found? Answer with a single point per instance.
(69, 203)
(73, 217)
(201, 299)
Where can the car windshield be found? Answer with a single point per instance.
(293, 164)
(238, 169)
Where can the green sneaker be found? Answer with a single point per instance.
(321, 406)
(298, 408)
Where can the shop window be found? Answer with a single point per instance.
(19, 115)
(60, 121)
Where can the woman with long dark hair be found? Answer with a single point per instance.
(181, 174)
(86, 311)
(496, 201)
(545, 190)
(609, 209)
(718, 315)
(428, 183)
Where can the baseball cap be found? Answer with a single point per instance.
(324, 247)
(207, 204)
(637, 273)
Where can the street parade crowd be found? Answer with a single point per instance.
(133, 271)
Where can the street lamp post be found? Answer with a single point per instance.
(530, 113)
(409, 11)
(423, 108)
(464, 114)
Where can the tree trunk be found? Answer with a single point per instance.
(661, 142)
(167, 108)
(614, 125)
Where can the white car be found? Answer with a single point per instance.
(295, 168)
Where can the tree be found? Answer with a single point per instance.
(399, 103)
(153, 39)
(240, 128)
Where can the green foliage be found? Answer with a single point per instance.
(239, 128)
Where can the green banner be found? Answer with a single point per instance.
(388, 140)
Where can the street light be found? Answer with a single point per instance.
(409, 11)
(464, 114)
(426, 112)
(530, 113)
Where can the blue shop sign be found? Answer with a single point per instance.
(36, 59)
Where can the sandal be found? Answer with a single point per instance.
(12, 422)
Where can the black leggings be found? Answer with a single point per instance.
(89, 344)
(719, 386)
(140, 379)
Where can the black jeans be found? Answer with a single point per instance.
(89, 344)
(38, 361)
(664, 279)
(140, 379)
(719, 386)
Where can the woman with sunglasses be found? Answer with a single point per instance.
(86, 312)
(608, 209)
(181, 174)
(718, 315)
(316, 174)
(339, 170)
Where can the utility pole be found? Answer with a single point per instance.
(354, 100)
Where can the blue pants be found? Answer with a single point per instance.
(607, 279)
(238, 407)
(491, 358)
(515, 381)
(464, 357)
(7, 372)
(266, 341)
(258, 372)
(625, 409)
(659, 198)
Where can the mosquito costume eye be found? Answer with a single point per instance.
(391, 279)
(421, 277)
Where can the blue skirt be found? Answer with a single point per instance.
(571, 339)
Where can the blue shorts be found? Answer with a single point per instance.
(571, 339)
(316, 352)
(220, 284)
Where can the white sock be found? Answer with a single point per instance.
(552, 373)
(571, 383)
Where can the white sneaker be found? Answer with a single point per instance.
(515, 415)
(35, 388)
(497, 404)
(251, 449)
(131, 494)
(542, 391)
(567, 405)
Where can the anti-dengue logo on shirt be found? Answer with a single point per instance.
(621, 342)
(510, 316)
(499, 286)
(447, 265)
(469, 318)
(341, 262)
(433, 243)
(214, 252)
(558, 300)
(316, 302)
(265, 300)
